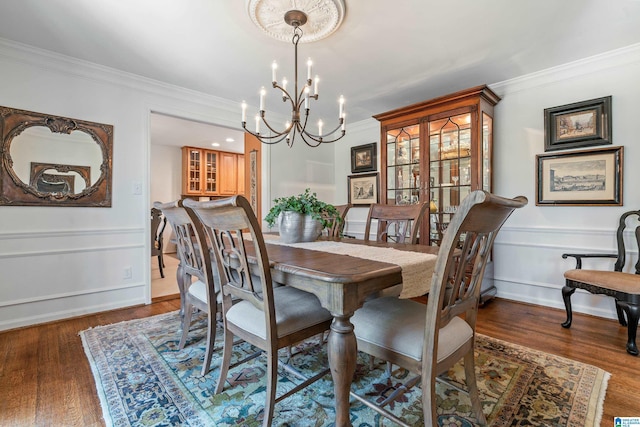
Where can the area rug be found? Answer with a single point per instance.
(143, 379)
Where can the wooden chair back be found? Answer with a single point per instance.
(191, 260)
(338, 226)
(396, 223)
(224, 222)
(457, 277)
(158, 224)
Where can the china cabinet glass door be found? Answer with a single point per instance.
(195, 157)
(449, 169)
(403, 165)
(210, 172)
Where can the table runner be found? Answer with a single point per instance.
(417, 268)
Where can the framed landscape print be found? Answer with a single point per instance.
(582, 124)
(364, 158)
(363, 189)
(590, 177)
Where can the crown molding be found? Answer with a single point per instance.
(571, 70)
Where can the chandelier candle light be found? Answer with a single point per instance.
(296, 19)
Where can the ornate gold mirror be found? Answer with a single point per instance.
(48, 160)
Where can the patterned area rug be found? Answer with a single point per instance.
(144, 380)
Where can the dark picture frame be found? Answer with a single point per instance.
(363, 189)
(576, 178)
(364, 158)
(582, 124)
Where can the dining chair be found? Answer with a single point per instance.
(396, 223)
(428, 340)
(158, 223)
(623, 286)
(268, 317)
(337, 228)
(195, 275)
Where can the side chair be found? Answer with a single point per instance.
(623, 286)
(268, 317)
(428, 340)
(204, 292)
(337, 228)
(158, 223)
(396, 223)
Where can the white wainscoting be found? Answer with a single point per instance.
(64, 273)
(528, 264)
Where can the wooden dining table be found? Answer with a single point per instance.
(341, 283)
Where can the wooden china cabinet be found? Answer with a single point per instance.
(211, 173)
(437, 151)
(200, 172)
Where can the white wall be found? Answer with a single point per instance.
(528, 263)
(363, 132)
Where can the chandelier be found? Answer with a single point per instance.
(299, 100)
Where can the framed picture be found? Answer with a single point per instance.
(364, 158)
(590, 177)
(582, 124)
(363, 189)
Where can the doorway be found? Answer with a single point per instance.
(168, 134)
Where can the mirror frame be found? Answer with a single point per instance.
(14, 192)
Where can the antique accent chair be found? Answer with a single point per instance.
(429, 339)
(204, 292)
(396, 223)
(158, 223)
(337, 228)
(268, 317)
(624, 287)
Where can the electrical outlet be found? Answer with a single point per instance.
(127, 274)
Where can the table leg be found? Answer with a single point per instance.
(342, 352)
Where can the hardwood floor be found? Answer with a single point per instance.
(45, 378)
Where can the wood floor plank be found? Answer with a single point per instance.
(45, 378)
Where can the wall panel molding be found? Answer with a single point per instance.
(57, 234)
(49, 252)
(64, 295)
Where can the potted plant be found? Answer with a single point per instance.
(301, 218)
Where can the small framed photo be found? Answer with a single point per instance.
(582, 124)
(363, 189)
(364, 158)
(590, 177)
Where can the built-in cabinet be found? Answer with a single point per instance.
(437, 151)
(211, 173)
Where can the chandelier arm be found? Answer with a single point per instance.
(286, 95)
(264, 138)
(306, 135)
(320, 140)
(333, 131)
(292, 136)
(277, 133)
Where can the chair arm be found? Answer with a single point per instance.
(579, 257)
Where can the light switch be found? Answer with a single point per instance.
(137, 188)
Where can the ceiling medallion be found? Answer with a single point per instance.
(324, 17)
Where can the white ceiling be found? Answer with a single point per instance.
(178, 132)
(385, 55)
